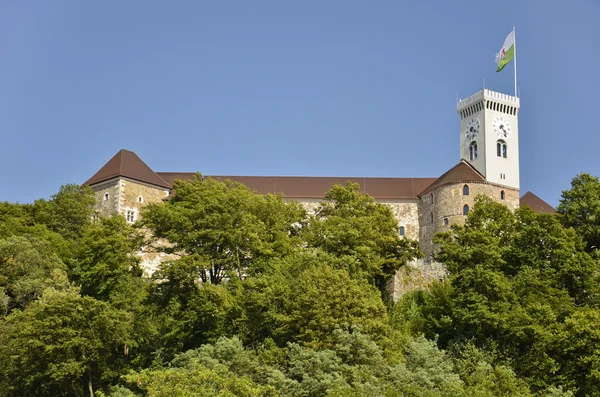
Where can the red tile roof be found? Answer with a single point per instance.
(537, 204)
(461, 172)
(316, 187)
(127, 164)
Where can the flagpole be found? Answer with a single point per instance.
(515, 59)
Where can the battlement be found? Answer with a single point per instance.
(488, 95)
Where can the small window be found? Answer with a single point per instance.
(445, 221)
(431, 217)
(466, 210)
(106, 196)
(431, 198)
(402, 230)
(473, 151)
(130, 216)
(501, 148)
(502, 195)
(140, 199)
(466, 190)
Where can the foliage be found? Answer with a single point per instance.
(580, 209)
(360, 231)
(105, 258)
(61, 344)
(516, 281)
(27, 267)
(68, 211)
(223, 228)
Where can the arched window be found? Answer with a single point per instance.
(466, 190)
(501, 148)
(473, 151)
(502, 195)
(402, 230)
(445, 221)
(466, 210)
(106, 195)
(431, 217)
(431, 198)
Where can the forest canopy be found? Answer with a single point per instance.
(267, 299)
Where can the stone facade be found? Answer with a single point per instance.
(405, 211)
(126, 197)
(108, 197)
(444, 206)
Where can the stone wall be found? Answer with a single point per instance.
(135, 195)
(444, 206)
(107, 207)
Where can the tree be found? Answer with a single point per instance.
(352, 226)
(62, 344)
(68, 211)
(514, 279)
(27, 267)
(223, 227)
(580, 209)
(305, 300)
(105, 260)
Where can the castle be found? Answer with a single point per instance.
(489, 165)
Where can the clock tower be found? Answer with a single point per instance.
(489, 136)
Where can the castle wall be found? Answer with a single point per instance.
(106, 208)
(136, 195)
(405, 211)
(448, 203)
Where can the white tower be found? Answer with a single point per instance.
(489, 135)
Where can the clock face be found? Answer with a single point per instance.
(472, 129)
(501, 127)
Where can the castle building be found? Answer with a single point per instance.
(488, 165)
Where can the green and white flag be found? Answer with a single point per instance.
(507, 52)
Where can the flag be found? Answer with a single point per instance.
(507, 52)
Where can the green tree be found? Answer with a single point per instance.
(105, 261)
(225, 228)
(305, 300)
(514, 279)
(27, 267)
(68, 211)
(580, 209)
(353, 226)
(62, 344)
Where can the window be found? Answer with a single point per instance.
(466, 190)
(130, 216)
(466, 210)
(106, 196)
(140, 199)
(402, 230)
(431, 217)
(502, 195)
(473, 151)
(501, 149)
(431, 198)
(445, 221)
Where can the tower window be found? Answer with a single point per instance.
(431, 198)
(402, 230)
(445, 221)
(466, 190)
(431, 217)
(106, 196)
(501, 148)
(502, 195)
(473, 151)
(465, 210)
(140, 199)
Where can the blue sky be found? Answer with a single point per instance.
(323, 88)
